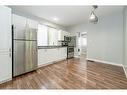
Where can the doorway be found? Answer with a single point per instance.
(82, 43)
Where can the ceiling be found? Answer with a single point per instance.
(65, 15)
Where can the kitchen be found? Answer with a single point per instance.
(40, 50)
(34, 45)
(55, 45)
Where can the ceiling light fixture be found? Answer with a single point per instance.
(93, 18)
(55, 19)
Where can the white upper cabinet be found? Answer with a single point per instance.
(19, 21)
(22, 22)
(53, 36)
(5, 28)
(19, 24)
(61, 34)
(32, 23)
(66, 33)
(42, 35)
(5, 44)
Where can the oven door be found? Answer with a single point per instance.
(70, 51)
(70, 55)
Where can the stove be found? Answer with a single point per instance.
(70, 51)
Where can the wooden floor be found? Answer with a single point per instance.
(74, 73)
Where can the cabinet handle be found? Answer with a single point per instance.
(9, 49)
(9, 52)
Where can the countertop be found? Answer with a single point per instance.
(50, 47)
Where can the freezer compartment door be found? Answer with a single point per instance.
(25, 56)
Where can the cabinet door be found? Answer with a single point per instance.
(63, 53)
(62, 35)
(58, 54)
(19, 24)
(5, 67)
(53, 36)
(5, 44)
(59, 35)
(5, 28)
(47, 56)
(67, 33)
(42, 35)
(32, 24)
(42, 54)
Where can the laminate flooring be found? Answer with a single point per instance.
(74, 73)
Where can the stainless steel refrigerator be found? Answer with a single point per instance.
(24, 50)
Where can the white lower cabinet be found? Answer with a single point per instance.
(63, 53)
(46, 56)
(5, 67)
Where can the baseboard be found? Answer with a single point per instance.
(49, 63)
(124, 71)
(105, 62)
(5, 80)
(76, 56)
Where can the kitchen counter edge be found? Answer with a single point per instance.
(50, 47)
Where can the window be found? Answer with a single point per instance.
(42, 35)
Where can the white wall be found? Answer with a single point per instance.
(105, 39)
(125, 40)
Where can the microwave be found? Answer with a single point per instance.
(67, 39)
